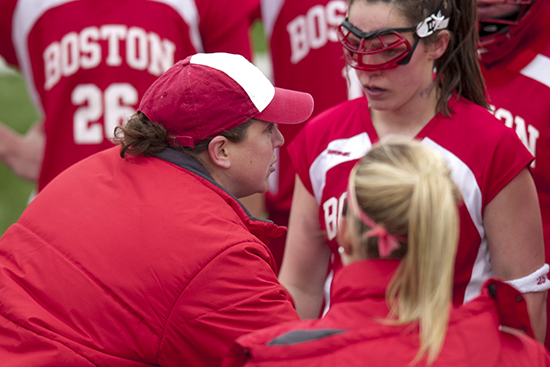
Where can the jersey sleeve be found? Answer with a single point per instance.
(235, 293)
(509, 158)
(7, 50)
(225, 25)
(314, 138)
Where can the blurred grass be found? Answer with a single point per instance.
(258, 38)
(16, 111)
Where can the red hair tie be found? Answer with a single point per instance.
(387, 242)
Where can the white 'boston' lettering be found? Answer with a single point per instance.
(70, 59)
(52, 68)
(315, 28)
(528, 134)
(136, 48)
(162, 54)
(143, 51)
(113, 34)
(89, 48)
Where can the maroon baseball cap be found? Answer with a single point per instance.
(206, 94)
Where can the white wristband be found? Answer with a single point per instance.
(535, 282)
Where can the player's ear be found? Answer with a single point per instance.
(217, 150)
(345, 242)
(438, 48)
(344, 238)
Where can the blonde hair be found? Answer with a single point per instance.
(406, 188)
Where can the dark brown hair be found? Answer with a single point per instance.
(142, 136)
(457, 70)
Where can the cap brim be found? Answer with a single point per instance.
(287, 107)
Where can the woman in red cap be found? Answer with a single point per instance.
(142, 254)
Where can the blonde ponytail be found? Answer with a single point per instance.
(406, 188)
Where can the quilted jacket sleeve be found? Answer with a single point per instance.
(235, 293)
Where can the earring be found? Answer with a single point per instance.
(341, 250)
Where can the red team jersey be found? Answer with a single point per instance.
(87, 63)
(302, 36)
(528, 110)
(483, 155)
(519, 93)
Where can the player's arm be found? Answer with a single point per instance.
(304, 267)
(514, 233)
(23, 153)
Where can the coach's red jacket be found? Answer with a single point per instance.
(351, 335)
(135, 262)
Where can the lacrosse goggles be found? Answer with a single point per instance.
(511, 19)
(387, 48)
(495, 31)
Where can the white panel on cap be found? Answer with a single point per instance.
(249, 77)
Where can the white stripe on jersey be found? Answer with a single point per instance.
(466, 182)
(26, 13)
(481, 271)
(188, 11)
(538, 69)
(270, 13)
(343, 150)
(357, 146)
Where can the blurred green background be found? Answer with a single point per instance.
(17, 111)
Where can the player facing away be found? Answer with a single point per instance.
(87, 64)
(395, 47)
(142, 255)
(515, 62)
(391, 306)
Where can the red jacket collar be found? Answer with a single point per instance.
(264, 230)
(368, 279)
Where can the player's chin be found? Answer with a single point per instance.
(266, 184)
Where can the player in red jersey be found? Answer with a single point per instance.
(395, 50)
(87, 63)
(299, 34)
(515, 61)
(392, 297)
